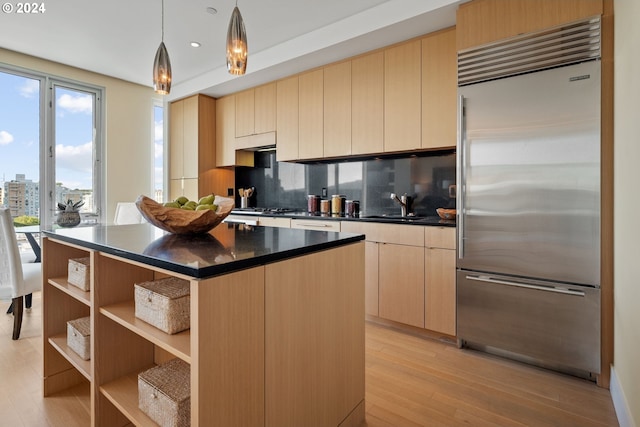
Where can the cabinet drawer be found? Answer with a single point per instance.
(269, 221)
(440, 237)
(410, 235)
(311, 224)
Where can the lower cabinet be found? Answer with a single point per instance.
(410, 274)
(401, 283)
(440, 290)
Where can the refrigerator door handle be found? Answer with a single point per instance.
(527, 286)
(460, 177)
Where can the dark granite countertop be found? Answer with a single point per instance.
(227, 248)
(388, 219)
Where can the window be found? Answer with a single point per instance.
(20, 136)
(158, 156)
(51, 141)
(74, 149)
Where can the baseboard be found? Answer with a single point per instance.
(620, 403)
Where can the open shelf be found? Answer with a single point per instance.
(123, 394)
(63, 284)
(59, 342)
(124, 313)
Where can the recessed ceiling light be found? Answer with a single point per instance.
(212, 10)
(195, 44)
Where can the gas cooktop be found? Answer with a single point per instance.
(258, 211)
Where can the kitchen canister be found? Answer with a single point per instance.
(325, 206)
(313, 204)
(352, 208)
(337, 204)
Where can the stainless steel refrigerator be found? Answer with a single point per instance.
(528, 279)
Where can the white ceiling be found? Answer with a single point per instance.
(119, 38)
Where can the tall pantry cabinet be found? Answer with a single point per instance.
(192, 142)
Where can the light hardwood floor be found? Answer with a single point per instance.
(410, 381)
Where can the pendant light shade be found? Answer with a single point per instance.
(236, 44)
(162, 71)
(162, 66)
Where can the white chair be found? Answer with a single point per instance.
(16, 279)
(127, 213)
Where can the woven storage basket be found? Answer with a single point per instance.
(79, 273)
(164, 304)
(164, 393)
(78, 337)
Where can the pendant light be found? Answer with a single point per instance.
(162, 66)
(236, 44)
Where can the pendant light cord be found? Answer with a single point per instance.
(162, 39)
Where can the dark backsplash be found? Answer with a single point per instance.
(426, 178)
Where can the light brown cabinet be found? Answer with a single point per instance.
(226, 154)
(409, 274)
(225, 134)
(337, 110)
(287, 120)
(401, 283)
(484, 21)
(367, 104)
(192, 144)
(402, 97)
(440, 280)
(311, 115)
(439, 89)
(255, 117)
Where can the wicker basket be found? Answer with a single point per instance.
(78, 337)
(79, 273)
(164, 393)
(164, 303)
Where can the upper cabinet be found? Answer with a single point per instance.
(191, 143)
(439, 89)
(485, 21)
(367, 104)
(265, 108)
(287, 119)
(402, 97)
(226, 154)
(255, 117)
(337, 110)
(311, 115)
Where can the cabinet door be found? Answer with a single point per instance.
(401, 283)
(206, 134)
(265, 108)
(337, 110)
(439, 90)
(440, 290)
(190, 138)
(402, 97)
(225, 131)
(310, 132)
(486, 21)
(367, 104)
(176, 140)
(245, 113)
(371, 278)
(287, 119)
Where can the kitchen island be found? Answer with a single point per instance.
(277, 323)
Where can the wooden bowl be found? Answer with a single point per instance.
(182, 221)
(446, 213)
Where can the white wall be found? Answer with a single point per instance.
(128, 127)
(627, 211)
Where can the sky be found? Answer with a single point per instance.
(19, 133)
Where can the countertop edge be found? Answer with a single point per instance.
(211, 271)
